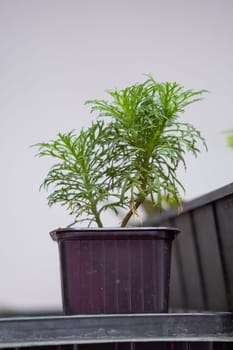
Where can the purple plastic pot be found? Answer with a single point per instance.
(117, 270)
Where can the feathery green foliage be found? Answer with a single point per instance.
(130, 153)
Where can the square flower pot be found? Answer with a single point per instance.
(115, 270)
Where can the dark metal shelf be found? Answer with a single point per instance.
(88, 329)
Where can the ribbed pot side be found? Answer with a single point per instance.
(108, 271)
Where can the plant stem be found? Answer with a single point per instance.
(145, 164)
(97, 217)
(91, 198)
(130, 213)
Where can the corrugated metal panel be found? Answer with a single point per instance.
(202, 262)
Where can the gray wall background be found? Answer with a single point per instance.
(54, 55)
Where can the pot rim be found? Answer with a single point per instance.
(107, 233)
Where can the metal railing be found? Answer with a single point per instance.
(144, 331)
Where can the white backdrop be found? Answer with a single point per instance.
(54, 55)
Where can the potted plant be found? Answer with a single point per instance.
(129, 154)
